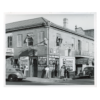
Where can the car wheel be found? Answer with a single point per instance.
(11, 78)
(90, 75)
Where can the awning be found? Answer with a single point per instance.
(31, 52)
(82, 61)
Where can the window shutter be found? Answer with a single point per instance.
(19, 40)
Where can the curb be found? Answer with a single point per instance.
(47, 80)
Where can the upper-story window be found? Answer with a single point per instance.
(29, 39)
(87, 46)
(9, 41)
(41, 37)
(19, 40)
(58, 40)
(79, 45)
(73, 43)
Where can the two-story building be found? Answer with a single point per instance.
(37, 42)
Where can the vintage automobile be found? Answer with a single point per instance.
(87, 71)
(14, 74)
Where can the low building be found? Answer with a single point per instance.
(37, 42)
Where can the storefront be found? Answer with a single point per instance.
(9, 57)
(82, 62)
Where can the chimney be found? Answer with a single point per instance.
(75, 28)
(65, 22)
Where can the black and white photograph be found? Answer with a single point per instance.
(50, 49)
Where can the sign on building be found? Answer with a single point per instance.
(69, 62)
(9, 51)
(24, 62)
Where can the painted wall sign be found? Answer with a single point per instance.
(51, 61)
(68, 62)
(24, 62)
(9, 51)
(42, 60)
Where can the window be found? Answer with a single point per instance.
(29, 39)
(73, 43)
(19, 40)
(9, 41)
(87, 46)
(58, 40)
(41, 37)
(69, 52)
(79, 47)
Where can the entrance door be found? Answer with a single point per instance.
(78, 68)
(57, 67)
(35, 67)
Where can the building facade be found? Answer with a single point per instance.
(38, 42)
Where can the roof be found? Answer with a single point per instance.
(24, 23)
(89, 30)
(36, 22)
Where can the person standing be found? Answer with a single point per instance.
(53, 72)
(47, 71)
(56, 68)
(65, 72)
(62, 72)
(43, 72)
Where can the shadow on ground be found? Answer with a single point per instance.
(84, 77)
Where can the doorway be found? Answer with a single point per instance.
(78, 68)
(35, 67)
(56, 67)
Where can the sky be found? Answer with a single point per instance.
(86, 21)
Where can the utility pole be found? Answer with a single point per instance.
(48, 26)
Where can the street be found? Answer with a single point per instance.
(82, 81)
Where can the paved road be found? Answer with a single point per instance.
(82, 81)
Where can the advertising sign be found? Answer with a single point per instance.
(42, 60)
(24, 62)
(10, 51)
(69, 62)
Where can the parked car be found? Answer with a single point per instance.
(13, 74)
(87, 71)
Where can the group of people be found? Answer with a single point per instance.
(64, 73)
(45, 72)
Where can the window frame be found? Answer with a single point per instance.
(74, 42)
(87, 46)
(9, 42)
(41, 36)
(29, 35)
(20, 41)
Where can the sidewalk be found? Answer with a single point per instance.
(46, 80)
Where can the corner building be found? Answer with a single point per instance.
(37, 42)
